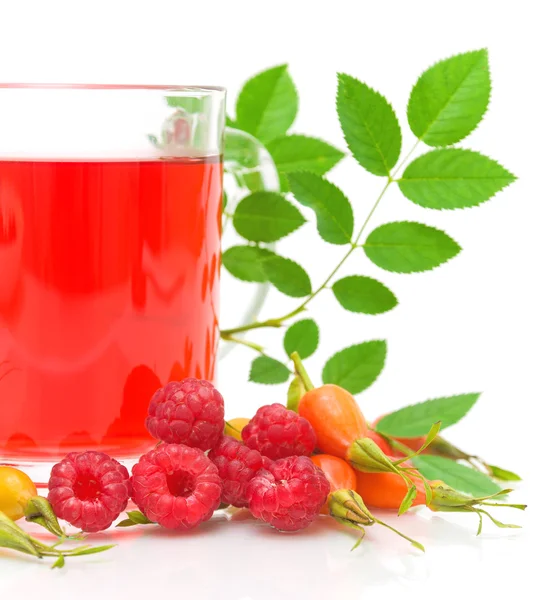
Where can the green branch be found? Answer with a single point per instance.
(227, 334)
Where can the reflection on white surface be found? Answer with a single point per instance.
(237, 558)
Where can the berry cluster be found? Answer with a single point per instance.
(195, 467)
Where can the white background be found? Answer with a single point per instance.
(479, 323)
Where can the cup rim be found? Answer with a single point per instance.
(192, 89)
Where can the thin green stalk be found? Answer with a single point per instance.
(301, 371)
(243, 342)
(405, 537)
(396, 445)
(375, 206)
(225, 333)
(405, 159)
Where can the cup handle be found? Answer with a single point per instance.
(248, 167)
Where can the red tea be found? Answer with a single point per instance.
(109, 275)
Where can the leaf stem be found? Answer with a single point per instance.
(226, 334)
(375, 206)
(243, 342)
(301, 371)
(405, 159)
(405, 537)
(397, 445)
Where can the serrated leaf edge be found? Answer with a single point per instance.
(372, 279)
(263, 217)
(383, 342)
(428, 400)
(284, 69)
(289, 136)
(254, 246)
(267, 383)
(335, 187)
(509, 181)
(461, 467)
(485, 51)
(317, 337)
(424, 270)
(339, 76)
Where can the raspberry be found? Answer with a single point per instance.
(176, 486)
(89, 490)
(288, 494)
(187, 412)
(236, 464)
(277, 432)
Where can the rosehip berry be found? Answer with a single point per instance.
(277, 432)
(176, 486)
(288, 494)
(236, 465)
(16, 489)
(89, 490)
(187, 412)
(234, 427)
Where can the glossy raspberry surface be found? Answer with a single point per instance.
(176, 486)
(236, 465)
(277, 432)
(89, 490)
(288, 494)
(189, 412)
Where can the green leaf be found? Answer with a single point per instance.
(126, 523)
(449, 99)
(14, 541)
(459, 477)
(363, 295)
(266, 217)
(229, 122)
(268, 370)
(332, 208)
(286, 275)
(59, 563)
(369, 124)
(138, 517)
(38, 510)
(417, 419)
(503, 474)
(302, 337)
(407, 500)
(451, 178)
(356, 368)
(408, 247)
(250, 263)
(302, 153)
(245, 263)
(267, 104)
(93, 550)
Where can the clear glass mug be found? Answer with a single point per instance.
(110, 239)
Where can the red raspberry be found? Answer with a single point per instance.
(277, 432)
(176, 486)
(236, 464)
(288, 494)
(89, 490)
(187, 412)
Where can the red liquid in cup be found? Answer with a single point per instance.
(109, 276)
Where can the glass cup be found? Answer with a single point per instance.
(248, 168)
(110, 227)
